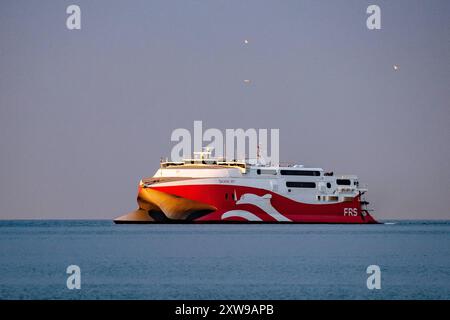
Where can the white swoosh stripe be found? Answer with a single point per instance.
(242, 214)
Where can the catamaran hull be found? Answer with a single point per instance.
(237, 204)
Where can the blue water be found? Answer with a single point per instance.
(223, 261)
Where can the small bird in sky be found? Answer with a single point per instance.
(396, 67)
(246, 41)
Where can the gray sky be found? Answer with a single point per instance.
(84, 114)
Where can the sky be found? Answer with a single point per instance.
(84, 114)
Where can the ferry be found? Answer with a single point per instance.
(204, 189)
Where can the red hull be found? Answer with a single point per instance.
(271, 207)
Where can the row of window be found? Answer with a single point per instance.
(310, 173)
(298, 184)
(304, 184)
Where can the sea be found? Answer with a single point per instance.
(193, 261)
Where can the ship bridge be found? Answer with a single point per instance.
(202, 160)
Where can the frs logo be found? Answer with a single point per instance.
(350, 212)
